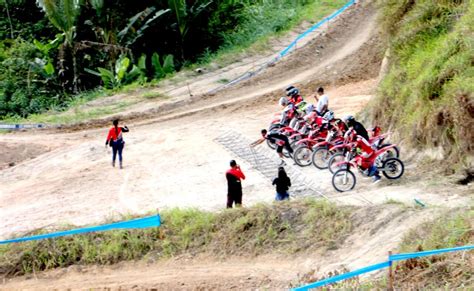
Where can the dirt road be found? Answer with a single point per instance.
(172, 160)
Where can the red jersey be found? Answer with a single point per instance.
(115, 134)
(236, 173)
(295, 99)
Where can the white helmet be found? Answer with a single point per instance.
(310, 108)
(348, 118)
(329, 115)
(283, 101)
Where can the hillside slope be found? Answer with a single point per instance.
(427, 95)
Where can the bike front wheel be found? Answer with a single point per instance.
(320, 158)
(343, 180)
(302, 156)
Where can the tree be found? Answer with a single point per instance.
(9, 19)
(185, 15)
(63, 15)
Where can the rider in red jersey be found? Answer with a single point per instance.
(363, 144)
(294, 96)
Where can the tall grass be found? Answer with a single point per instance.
(428, 92)
(285, 227)
(449, 271)
(261, 20)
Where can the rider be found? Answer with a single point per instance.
(289, 111)
(323, 102)
(357, 126)
(294, 96)
(279, 139)
(358, 133)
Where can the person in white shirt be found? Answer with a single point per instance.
(323, 101)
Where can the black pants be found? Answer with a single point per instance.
(286, 145)
(234, 197)
(117, 147)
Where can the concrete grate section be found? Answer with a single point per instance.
(266, 161)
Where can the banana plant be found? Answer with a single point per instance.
(63, 15)
(113, 79)
(161, 70)
(135, 29)
(48, 66)
(138, 72)
(185, 15)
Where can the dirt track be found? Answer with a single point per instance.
(168, 150)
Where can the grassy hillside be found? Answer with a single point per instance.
(448, 271)
(452, 270)
(286, 228)
(427, 95)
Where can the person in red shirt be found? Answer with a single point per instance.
(294, 96)
(115, 139)
(234, 186)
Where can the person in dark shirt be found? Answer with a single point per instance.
(234, 186)
(362, 138)
(283, 183)
(357, 126)
(279, 139)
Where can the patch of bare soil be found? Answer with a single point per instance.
(12, 154)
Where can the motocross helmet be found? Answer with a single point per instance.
(293, 92)
(302, 106)
(289, 88)
(329, 115)
(310, 108)
(348, 119)
(283, 101)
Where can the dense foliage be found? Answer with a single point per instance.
(427, 94)
(53, 49)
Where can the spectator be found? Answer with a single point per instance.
(234, 186)
(115, 139)
(283, 183)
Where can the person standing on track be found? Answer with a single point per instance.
(115, 140)
(283, 183)
(279, 139)
(234, 186)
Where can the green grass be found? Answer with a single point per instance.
(78, 114)
(276, 21)
(78, 110)
(450, 230)
(151, 95)
(223, 81)
(287, 227)
(428, 92)
(442, 272)
(392, 201)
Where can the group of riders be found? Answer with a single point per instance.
(312, 134)
(303, 131)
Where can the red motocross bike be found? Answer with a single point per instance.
(322, 150)
(344, 179)
(305, 146)
(338, 152)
